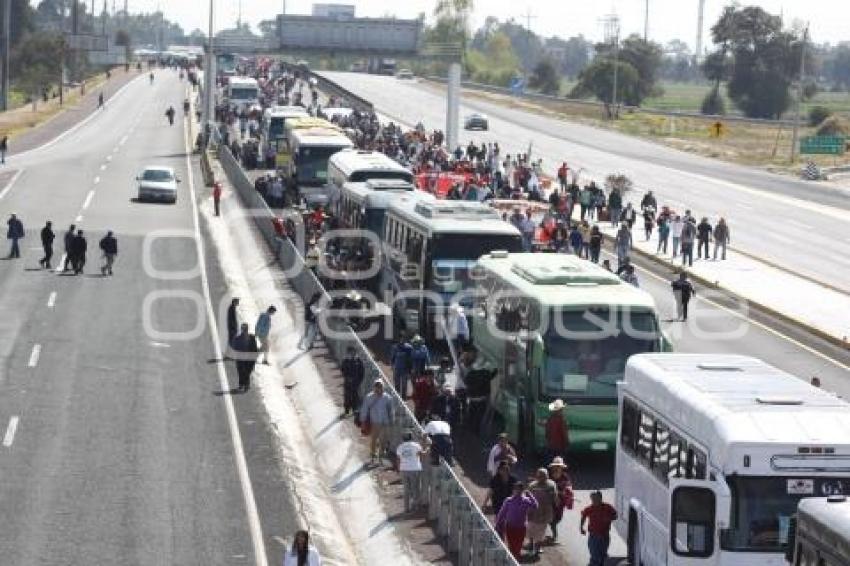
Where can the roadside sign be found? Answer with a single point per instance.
(823, 145)
(717, 129)
(84, 42)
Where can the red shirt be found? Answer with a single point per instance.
(556, 433)
(599, 518)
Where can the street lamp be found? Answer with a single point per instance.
(209, 79)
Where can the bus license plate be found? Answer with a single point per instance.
(599, 446)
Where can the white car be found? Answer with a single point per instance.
(476, 122)
(158, 183)
(405, 75)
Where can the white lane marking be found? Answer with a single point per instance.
(799, 224)
(61, 266)
(748, 320)
(51, 300)
(87, 202)
(96, 180)
(109, 158)
(254, 525)
(79, 218)
(36, 352)
(123, 140)
(79, 125)
(9, 437)
(103, 167)
(11, 184)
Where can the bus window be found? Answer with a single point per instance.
(678, 457)
(646, 438)
(660, 452)
(629, 427)
(692, 522)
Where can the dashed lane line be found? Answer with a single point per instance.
(51, 300)
(87, 202)
(11, 183)
(34, 355)
(11, 429)
(96, 180)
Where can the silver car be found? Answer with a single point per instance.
(476, 122)
(158, 183)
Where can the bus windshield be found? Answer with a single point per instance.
(312, 164)
(762, 508)
(276, 128)
(472, 246)
(243, 93)
(586, 351)
(362, 176)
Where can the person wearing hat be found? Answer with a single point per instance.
(557, 432)
(564, 486)
(245, 351)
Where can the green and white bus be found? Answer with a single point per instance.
(558, 327)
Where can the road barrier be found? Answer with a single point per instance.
(460, 524)
(330, 88)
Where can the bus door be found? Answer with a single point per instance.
(694, 509)
(509, 391)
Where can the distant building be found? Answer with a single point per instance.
(338, 11)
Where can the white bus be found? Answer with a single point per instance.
(429, 251)
(356, 165)
(242, 92)
(363, 206)
(310, 149)
(274, 120)
(715, 452)
(821, 535)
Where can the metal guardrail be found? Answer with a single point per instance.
(331, 88)
(460, 524)
(596, 104)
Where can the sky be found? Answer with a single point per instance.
(669, 19)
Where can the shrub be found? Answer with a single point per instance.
(817, 114)
(713, 104)
(834, 126)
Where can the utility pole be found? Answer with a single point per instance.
(700, 25)
(646, 22)
(611, 24)
(795, 136)
(209, 79)
(7, 30)
(529, 15)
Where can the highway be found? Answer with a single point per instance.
(796, 224)
(118, 443)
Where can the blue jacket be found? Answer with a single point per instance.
(16, 229)
(401, 357)
(420, 357)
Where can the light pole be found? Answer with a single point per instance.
(7, 29)
(795, 136)
(612, 33)
(209, 79)
(646, 22)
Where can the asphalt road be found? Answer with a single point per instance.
(797, 224)
(116, 445)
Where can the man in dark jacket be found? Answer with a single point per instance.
(69, 245)
(232, 321)
(352, 375)
(682, 292)
(15, 233)
(704, 231)
(246, 349)
(446, 405)
(109, 247)
(78, 252)
(47, 237)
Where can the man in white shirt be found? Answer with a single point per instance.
(409, 454)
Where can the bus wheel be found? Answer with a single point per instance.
(633, 542)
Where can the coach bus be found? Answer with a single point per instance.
(820, 533)
(310, 149)
(363, 205)
(357, 165)
(715, 452)
(558, 327)
(429, 251)
(272, 130)
(242, 93)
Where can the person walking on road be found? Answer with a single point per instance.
(704, 232)
(15, 233)
(689, 232)
(79, 246)
(502, 451)
(595, 244)
(683, 290)
(545, 492)
(109, 247)
(512, 519)
(217, 197)
(232, 321)
(721, 238)
(615, 207)
(565, 497)
(352, 376)
(501, 486)
(245, 346)
(311, 321)
(401, 361)
(376, 413)
(262, 329)
(302, 553)
(47, 237)
(663, 234)
(676, 226)
(69, 245)
(4, 147)
(623, 243)
(409, 454)
(598, 516)
(557, 435)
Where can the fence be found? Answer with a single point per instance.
(459, 522)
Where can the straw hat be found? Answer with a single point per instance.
(556, 405)
(557, 462)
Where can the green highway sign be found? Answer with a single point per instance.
(824, 145)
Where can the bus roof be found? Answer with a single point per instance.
(452, 217)
(242, 81)
(724, 400)
(285, 112)
(320, 137)
(302, 122)
(827, 514)
(352, 160)
(563, 280)
(379, 193)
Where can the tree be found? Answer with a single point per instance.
(836, 66)
(713, 104)
(545, 78)
(758, 59)
(268, 28)
(36, 62)
(598, 80)
(496, 63)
